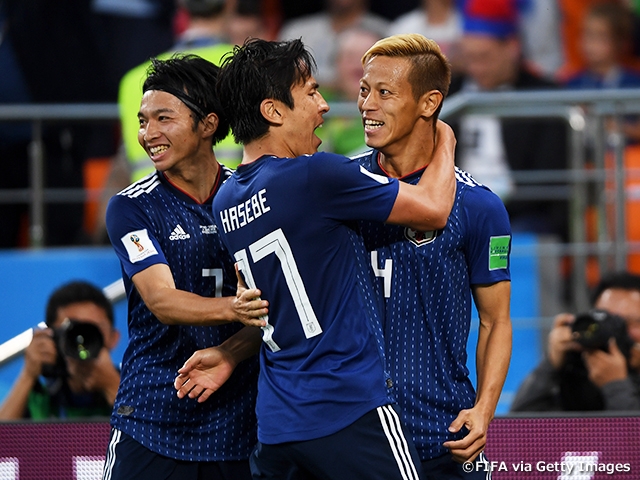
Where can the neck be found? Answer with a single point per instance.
(269, 144)
(402, 159)
(197, 179)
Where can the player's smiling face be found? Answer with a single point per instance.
(306, 116)
(166, 129)
(388, 108)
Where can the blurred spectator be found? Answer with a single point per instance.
(129, 32)
(206, 24)
(247, 21)
(575, 377)
(319, 32)
(491, 148)
(53, 383)
(439, 20)
(345, 135)
(540, 26)
(572, 14)
(605, 45)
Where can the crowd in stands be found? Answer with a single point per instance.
(82, 53)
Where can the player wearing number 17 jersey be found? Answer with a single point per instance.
(288, 217)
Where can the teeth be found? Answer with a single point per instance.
(372, 124)
(159, 149)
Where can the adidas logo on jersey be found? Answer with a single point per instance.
(179, 234)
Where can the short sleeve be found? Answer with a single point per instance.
(347, 191)
(487, 236)
(132, 235)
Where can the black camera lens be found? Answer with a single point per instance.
(80, 340)
(593, 330)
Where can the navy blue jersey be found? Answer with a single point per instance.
(291, 224)
(427, 279)
(153, 222)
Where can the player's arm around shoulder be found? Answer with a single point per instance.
(427, 205)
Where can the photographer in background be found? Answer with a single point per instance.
(83, 380)
(611, 379)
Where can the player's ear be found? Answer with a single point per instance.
(210, 123)
(270, 110)
(430, 102)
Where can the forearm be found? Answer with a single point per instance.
(492, 362)
(15, 404)
(178, 307)
(493, 352)
(243, 344)
(437, 188)
(427, 205)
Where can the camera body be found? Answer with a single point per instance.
(74, 339)
(592, 330)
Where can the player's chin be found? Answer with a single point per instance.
(316, 142)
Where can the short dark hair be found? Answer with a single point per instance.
(191, 79)
(77, 292)
(617, 280)
(259, 70)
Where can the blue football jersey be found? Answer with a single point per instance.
(427, 279)
(291, 223)
(151, 222)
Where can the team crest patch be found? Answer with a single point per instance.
(138, 245)
(420, 238)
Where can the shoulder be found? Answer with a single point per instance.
(140, 188)
(475, 195)
(365, 158)
(225, 173)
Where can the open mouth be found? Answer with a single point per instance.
(372, 124)
(158, 150)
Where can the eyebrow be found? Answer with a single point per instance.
(158, 111)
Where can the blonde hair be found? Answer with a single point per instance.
(430, 68)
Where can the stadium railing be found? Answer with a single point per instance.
(584, 111)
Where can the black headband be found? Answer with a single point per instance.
(184, 98)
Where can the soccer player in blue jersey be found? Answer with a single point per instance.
(430, 276)
(289, 216)
(181, 291)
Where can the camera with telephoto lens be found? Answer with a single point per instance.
(592, 330)
(74, 339)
